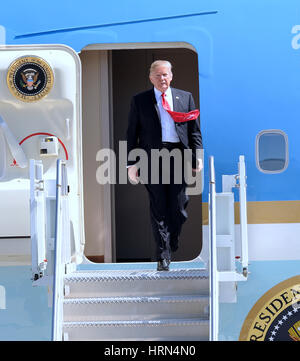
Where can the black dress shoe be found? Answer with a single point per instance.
(163, 265)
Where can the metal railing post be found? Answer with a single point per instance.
(213, 272)
(243, 215)
(60, 254)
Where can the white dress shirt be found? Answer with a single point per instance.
(169, 133)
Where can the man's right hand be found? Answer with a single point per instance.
(133, 174)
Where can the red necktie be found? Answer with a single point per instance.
(179, 117)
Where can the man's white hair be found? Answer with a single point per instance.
(157, 63)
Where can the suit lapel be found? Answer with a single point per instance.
(177, 107)
(154, 105)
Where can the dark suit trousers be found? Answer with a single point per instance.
(167, 210)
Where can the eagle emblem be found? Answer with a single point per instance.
(294, 331)
(30, 79)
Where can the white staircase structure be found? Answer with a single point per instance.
(133, 304)
(123, 304)
(136, 305)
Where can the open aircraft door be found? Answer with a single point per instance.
(40, 123)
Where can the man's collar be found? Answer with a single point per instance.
(158, 92)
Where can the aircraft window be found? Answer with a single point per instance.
(271, 151)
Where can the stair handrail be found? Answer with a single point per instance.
(62, 251)
(240, 181)
(213, 271)
(243, 215)
(37, 220)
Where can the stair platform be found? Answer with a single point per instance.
(135, 282)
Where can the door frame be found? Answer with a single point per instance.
(106, 125)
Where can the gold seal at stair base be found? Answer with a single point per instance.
(294, 331)
(274, 314)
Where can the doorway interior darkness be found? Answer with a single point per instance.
(133, 237)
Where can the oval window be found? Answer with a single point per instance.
(272, 151)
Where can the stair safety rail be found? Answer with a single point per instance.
(243, 215)
(239, 181)
(219, 274)
(213, 271)
(62, 250)
(37, 220)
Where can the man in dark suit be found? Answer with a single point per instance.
(152, 124)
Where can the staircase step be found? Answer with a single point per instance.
(134, 308)
(150, 330)
(130, 283)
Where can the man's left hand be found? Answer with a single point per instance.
(199, 166)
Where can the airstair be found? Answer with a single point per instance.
(136, 305)
(138, 302)
(43, 134)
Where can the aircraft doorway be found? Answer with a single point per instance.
(117, 219)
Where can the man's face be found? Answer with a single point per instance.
(161, 77)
